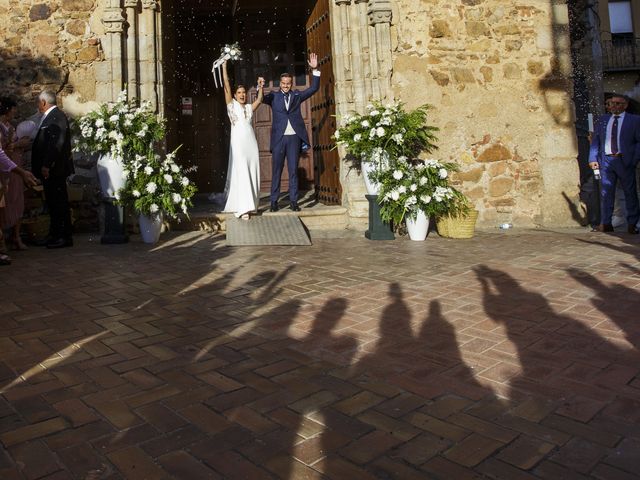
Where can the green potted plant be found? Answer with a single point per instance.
(117, 132)
(384, 133)
(415, 190)
(156, 187)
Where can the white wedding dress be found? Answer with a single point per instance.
(243, 175)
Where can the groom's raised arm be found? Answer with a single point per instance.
(314, 77)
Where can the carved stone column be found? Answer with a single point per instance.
(148, 59)
(110, 75)
(131, 9)
(380, 16)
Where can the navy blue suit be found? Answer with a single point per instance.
(618, 167)
(288, 146)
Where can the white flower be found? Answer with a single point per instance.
(153, 208)
(398, 138)
(136, 193)
(373, 113)
(357, 137)
(442, 173)
(337, 134)
(125, 174)
(412, 200)
(168, 178)
(365, 124)
(413, 187)
(113, 118)
(380, 132)
(369, 107)
(227, 49)
(151, 187)
(402, 189)
(148, 170)
(425, 198)
(397, 174)
(372, 133)
(128, 123)
(99, 123)
(175, 168)
(423, 180)
(395, 195)
(176, 197)
(232, 53)
(184, 181)
(113, 134)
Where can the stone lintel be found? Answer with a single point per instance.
(379, 11)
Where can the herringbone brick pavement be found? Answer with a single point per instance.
(508, 356)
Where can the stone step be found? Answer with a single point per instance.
(315, 216)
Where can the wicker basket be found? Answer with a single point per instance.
(458, 227)
(36, 228)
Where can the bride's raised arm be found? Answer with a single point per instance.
(228, 97)
(260, 96)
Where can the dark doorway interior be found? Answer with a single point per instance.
(272, 38)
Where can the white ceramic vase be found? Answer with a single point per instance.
(418, 227)
(371, 165)
(150, 227)
(110, 174)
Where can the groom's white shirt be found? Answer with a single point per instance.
(289, 130)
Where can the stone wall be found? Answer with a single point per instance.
(497, 74)
(50, 44)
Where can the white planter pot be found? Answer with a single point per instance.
(110, 174)
(369, 166)
(150, 227)
(419, 227)
(373, 188)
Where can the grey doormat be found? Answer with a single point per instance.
(267, 230)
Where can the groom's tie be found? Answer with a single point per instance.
(286, 99)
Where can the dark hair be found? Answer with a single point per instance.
(286, 75)
(6, 104)
(238, 87)
(617, 95)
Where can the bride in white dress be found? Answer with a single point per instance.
(243, 175)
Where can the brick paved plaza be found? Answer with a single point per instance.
(511, 355)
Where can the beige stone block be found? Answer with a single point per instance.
(69, 57)
(439, 29)
(476, 193)
(474, 175)
(83, 81)
(487, 110)
(560, 177)
(45, 45)
(487, 73)
(512, 71)
(497, 168)
(78, 5)
(477, 29)
(535, 67)
(493, 59)
(74, 45)
(441, 78)
(88, 54)
(503, 202)
(513, 45)
(483, 45)
(467, 158)
(494, 153)
(500, 186)
(77, 27)
(463, 75)
(508, 29)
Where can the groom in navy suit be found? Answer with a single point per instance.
(288, 133)
(615, 149)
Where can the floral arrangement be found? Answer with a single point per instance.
(410, 186)
(232, 51)
(386, 128)
(122, 129)
(156, 184)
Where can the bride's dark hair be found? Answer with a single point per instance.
(238, 87)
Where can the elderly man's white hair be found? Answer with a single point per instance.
(48, 96)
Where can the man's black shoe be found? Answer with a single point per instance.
(633, 230)
(274, 207)
(60, 243)
(294, 206)
(43, 242)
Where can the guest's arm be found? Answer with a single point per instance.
(6, 166)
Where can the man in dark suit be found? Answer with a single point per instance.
(615, 149)
(51, 161)
(288, 133)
